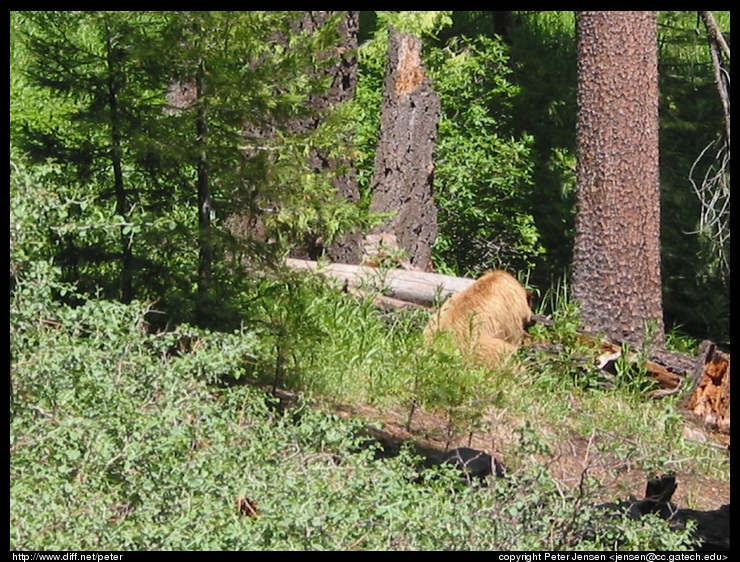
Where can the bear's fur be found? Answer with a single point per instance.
(488, 320)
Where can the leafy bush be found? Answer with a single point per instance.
(481, 168)
(119, 443)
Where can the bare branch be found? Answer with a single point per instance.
(714, 195)
(722, 77)
(713, 190)
(715, 33)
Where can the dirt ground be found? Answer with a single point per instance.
(620, 478)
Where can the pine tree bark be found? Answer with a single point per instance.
(404, 169)
(616, 263)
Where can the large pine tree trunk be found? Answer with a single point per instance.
(616, 262)
(343, 76)
(404, 169)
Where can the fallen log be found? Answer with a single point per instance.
(669, 381)
(395, 288)
(417, 287)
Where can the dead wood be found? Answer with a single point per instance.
(402, 182)
(415, 287)
(709, 373)
(709, 399)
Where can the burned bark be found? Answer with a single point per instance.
(247, 224)
(343, 85)
(348, 248)
(404, 169)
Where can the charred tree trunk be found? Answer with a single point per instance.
(343, 76)
(501, 24)
(616, 261)
(404, 169)
(344, 84)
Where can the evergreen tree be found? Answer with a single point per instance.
(91, 64)
(161, 116)
(242, 80)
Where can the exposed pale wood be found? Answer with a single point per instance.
(412, 286)
(710, 397)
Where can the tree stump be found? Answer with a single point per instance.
(710, 397)
(404, 169)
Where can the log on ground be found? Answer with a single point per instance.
(417, 287)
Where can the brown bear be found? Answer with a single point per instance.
(487, 321)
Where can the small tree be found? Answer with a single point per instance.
(251, 84)
(339, 69)
(92, 61)
(156, 113)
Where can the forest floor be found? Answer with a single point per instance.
(620, 478)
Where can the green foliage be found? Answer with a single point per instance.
(542, 58)
(128, 447)
(256, 88)
(420, 23)
(36, 217)
(504, 165)
(631, 374)
(96, 68)
(131, 441)
(695, 288)
(481, 167)
(96, 94)
(567, 347)
(319, 340)
(327, 342)
(678, 341)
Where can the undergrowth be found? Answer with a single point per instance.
(119, 443)
(132, 440)
(124, 437)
